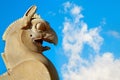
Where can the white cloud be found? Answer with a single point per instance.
(66, 6)
(76, 10)
(102, 68)
(75, 35)
(114, 34)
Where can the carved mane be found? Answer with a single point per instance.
(13, 27)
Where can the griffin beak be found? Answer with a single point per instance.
(53, 39)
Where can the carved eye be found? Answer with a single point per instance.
(30, 35)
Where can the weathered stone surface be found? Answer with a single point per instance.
(23, 50)
(28, 70)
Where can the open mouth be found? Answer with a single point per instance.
(38, 42)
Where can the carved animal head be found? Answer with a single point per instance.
(39, 29)
(35, 30)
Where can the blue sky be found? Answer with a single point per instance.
(88, 32)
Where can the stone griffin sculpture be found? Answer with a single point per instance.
(23, 49)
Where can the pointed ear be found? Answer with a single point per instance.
(31, 11)
(27, 17)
